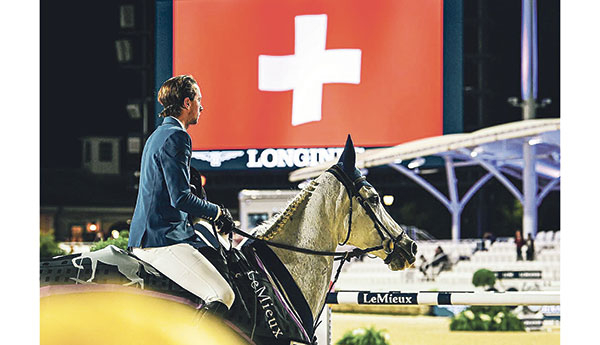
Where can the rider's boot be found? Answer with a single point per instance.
(216, 308)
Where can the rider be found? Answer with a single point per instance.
(161, 233)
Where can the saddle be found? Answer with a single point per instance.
(269, 308)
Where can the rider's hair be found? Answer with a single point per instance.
(173, 92)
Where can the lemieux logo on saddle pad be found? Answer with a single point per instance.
(266, 303)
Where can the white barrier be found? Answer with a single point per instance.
(444, 298)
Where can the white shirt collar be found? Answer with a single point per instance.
(180, 123)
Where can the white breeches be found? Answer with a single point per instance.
(186, 266)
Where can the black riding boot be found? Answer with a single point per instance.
(216, 308)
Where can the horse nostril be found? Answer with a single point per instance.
(413, 248)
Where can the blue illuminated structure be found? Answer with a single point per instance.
(528, 104)
(500, 150)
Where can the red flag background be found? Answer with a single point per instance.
(398, 99)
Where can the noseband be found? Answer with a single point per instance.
(390, 244)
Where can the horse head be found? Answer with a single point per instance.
(369, 224)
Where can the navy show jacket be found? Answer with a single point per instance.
(164, 197)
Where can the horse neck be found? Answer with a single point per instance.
(313, 223)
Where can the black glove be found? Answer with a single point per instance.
(225, 222)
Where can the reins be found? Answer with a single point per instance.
(347, 255)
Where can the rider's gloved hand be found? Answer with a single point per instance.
(225, 222)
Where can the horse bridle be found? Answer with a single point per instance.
(391, 245)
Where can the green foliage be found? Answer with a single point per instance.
(512, 215)
(48, 246)
(120, 242)
(486, 318)
(361, 336)
(484, 277)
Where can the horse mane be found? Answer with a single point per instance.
(273, 226)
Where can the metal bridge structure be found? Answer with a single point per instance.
(528, 150)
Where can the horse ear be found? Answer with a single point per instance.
(348, 156)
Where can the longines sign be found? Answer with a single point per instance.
(266, 158)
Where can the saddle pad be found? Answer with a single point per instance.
(269, 306)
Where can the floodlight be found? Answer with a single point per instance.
(388, 200)
(417, 162)
(476, 151)
(534, 141)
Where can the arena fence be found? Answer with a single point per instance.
(444, 298)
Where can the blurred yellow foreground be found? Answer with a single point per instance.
(111, 318)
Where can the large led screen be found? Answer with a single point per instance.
(302, 73)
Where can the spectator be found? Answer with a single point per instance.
(99, 236)
(487, 240)
(423, 266)
(440, 262)
(489, 236)
(530, 248)
(519, 244)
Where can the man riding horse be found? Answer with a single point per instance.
(280, 274)
(161, 232)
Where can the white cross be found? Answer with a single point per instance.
(309, 68)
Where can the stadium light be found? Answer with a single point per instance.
(388, 200)
(417, 162)
(476, 151)
(534, 141)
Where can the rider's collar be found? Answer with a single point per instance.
(179, 121)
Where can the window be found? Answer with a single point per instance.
(255, 219)
(106, 152)
(88, 152)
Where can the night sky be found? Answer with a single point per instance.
(83, 90)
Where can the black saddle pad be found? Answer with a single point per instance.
(269, 307)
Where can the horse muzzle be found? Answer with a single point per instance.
(401, 252)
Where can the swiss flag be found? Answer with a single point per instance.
(306, 73)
